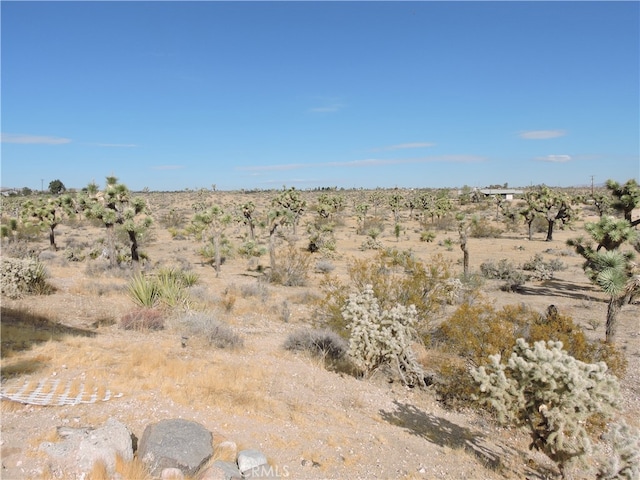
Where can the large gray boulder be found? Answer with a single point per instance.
(81, 448)
(175, 443)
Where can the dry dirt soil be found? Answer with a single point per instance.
(311, 422)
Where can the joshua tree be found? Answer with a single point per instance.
(248, 209)
(609, 267)
(463, 230)
(277, 217)
(290, 201)
(210, 225)
(115, 206)
(396, 202)
(554, 206)
(49, 213)
(625, 198)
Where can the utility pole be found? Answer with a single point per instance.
(592, 185)
(42, 185)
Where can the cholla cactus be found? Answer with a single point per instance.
(552, 394)
(381, 337)
(625, 460)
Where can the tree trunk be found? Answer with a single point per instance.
(134, 246)
(111, 245)
(216, 248)
(272, 249)
(52, 239)
(550, 230)
(530, 224)
(613, 309)
(465, 259)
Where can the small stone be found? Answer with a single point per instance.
(172, 474)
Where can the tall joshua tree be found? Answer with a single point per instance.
(553, 205)
(210, 224)
(116, 207)
(610, 267)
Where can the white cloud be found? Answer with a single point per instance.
(168, 167)
(541, 134)
(367, 162)
(555, 158)
(33, 139)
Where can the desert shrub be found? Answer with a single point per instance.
(142, 319)
(251, 249)
(256, 289)
(321, 238)
(19, 249)
(482, 228)
(292, 268)
(371, 244)
(397, 277)
(380, 337)
(542, 270)
(549, 392)
(371, 226)
(325, 266)
(216, 333)
(427, 236)
(74, 254)
(503, 270)
(447, 223)
(323, 342)
(186, 278)
(26, 276)
(624, 460)
(447, 243)
(475, 331)
(172, 219)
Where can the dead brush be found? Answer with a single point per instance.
(214, 332)
(143, 319)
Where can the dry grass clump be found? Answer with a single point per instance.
(324, 342)
(215, 333)
(258, 289)
(292, 268)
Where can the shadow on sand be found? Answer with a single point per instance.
(444, 433)
(20, 330)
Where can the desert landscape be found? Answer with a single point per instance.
(223, 352)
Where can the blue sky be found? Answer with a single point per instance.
(175, 95)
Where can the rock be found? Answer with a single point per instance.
(84, 447)
(175, 443)
(172, 474)
(220, 470)
(251, 460)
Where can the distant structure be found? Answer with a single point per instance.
(506, 193)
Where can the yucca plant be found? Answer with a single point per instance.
(143, 291)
